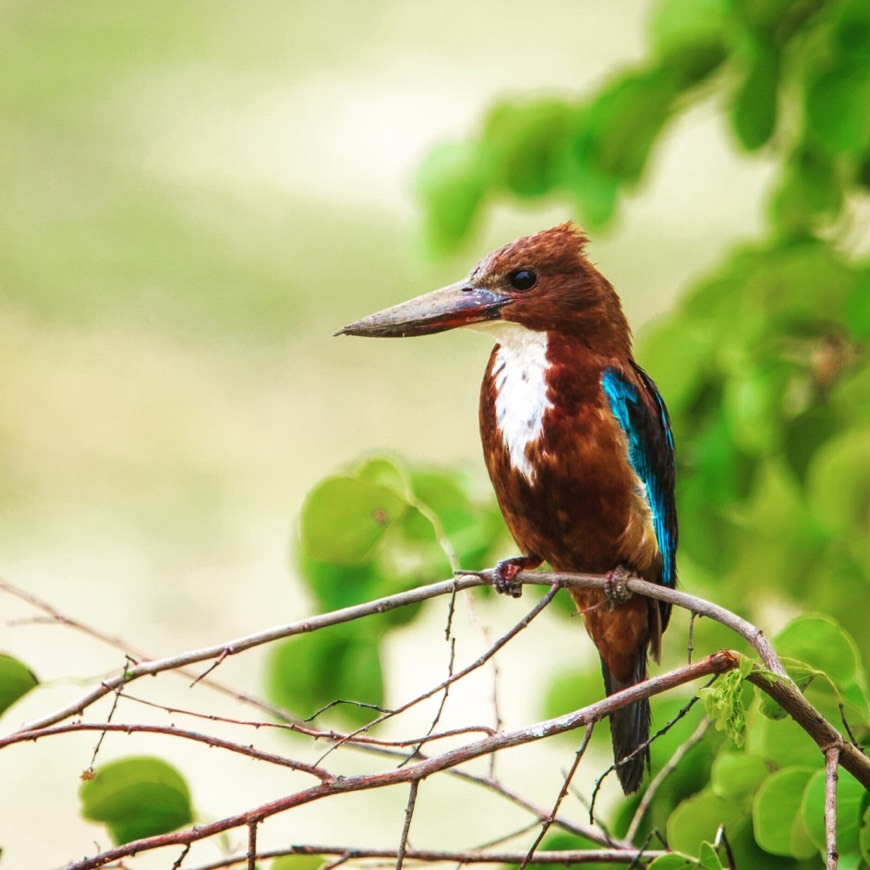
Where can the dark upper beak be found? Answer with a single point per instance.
(456, 305)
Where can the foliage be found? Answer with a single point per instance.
(16, 680)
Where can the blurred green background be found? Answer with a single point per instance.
(194, 197)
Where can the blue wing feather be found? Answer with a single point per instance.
(641, 413)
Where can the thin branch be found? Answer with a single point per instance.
(662, 775)
(473, 856)
(578, 755)
(719, 662)
(209, 740)
(176, 864)
(406, 828)
(832, 759)
(252, 846)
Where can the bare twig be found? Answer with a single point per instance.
(252, 846)
(406, 828)
(207, 739)
(578, 755)
(832, 759)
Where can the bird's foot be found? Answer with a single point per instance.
(503, 577)
(616, 588)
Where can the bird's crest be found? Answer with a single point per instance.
(558, 249)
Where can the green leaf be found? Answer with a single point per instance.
(806, 434)
(864, 836)
(857, 307)
(809, 193)
(335, 586)
(298, 862)
(340, 663)
(387, 473)
(852, 31)
(136, 797)
(755, 103)
(774, 810)
(782, 743)
(678, 355)
(708, 857)
(524, 145)
(820, 642)
(620, 127)
(687, 36)
(673, 861)
(737, 775)
(16, 680)
(693, 772)
(838, 488)
(836, 106)
(450, 184)
(850, 795)
(344, 517)
(752, 404)
(760, 15)
(697, 820)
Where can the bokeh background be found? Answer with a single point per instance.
(194, 197)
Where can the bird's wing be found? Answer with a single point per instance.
(642, 415)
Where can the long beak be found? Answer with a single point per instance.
(456, 305)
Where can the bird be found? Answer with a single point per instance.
(577, 441)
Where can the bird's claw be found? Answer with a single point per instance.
(503, 577)
(616, 588)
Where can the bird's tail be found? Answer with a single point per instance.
(629, 728)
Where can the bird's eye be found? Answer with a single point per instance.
(522, 279)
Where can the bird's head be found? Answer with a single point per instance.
(542, 282)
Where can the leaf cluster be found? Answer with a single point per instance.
(377, 529)
(793, 75)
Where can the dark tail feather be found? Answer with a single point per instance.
(629, 728)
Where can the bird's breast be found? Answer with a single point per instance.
(518, 375)
(559, 461)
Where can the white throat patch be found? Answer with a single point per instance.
(520, 374)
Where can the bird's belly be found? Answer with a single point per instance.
(581, 514)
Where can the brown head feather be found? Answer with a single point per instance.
(571, 296)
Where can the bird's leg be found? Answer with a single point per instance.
(616, 589)
(507, 570)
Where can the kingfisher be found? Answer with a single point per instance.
(577, 441)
